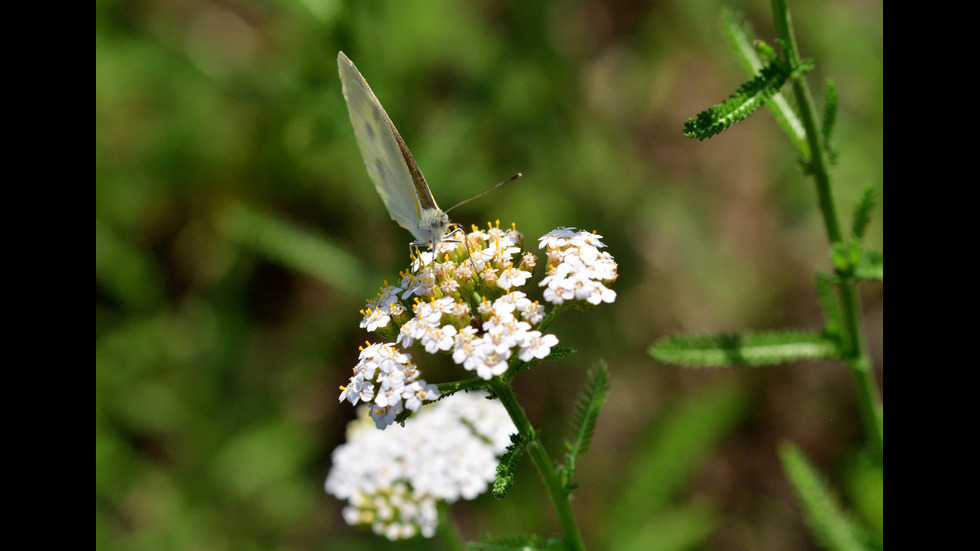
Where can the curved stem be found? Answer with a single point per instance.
(558, 495)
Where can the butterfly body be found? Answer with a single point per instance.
(389, 163)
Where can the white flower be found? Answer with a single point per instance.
(536, 345)
(515, 300)
(577, 269)
(393, 480)
(385, 377)
(532, 312)
(557, 237)
(436, 338)
(512, 277)
(413, 330)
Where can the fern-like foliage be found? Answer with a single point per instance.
(749, 97)
(829, 118)
(508, 464)
(590, 401)
(753, 54)
(862, 214)
(515, 543)
(750, 349)
(871, 266)
(833, 529)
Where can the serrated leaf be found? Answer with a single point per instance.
(752, 95)
(833, 529)
(750, 349)
(829, 117)
(504, 478)
(753, 54)
(862, 214)
(871, 266)
(586, 413)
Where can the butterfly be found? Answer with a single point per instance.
(390, 164)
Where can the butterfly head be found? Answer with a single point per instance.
(432, 226)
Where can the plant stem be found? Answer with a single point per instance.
(852, 339)
(558, 495)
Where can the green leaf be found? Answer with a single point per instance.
(833, 529)
(504, 479)
(750, 349)
(740, 105)
(862, 214)
(672, 529)
(665, 463)
(871, 266)
(753, 54)
(586, 413)
(281, 242)
(829, 118)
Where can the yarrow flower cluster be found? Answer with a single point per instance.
(463, 299)
(385, 376)
(577, 270)
(394, 479)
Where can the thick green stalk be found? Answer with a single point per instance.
(852, 345)
(557, 493)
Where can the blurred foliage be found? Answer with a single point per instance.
(238, 235)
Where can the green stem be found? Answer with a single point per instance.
(559, 497)
(852, 345)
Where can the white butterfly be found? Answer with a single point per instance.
(389, 162)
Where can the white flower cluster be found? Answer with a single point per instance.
(577, 270)
(394, 479)
(386, 378)
(463, 299)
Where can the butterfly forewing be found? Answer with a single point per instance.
(389, 163)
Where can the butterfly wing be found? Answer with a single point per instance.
(388, 160)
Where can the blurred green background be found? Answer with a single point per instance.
(237, 236)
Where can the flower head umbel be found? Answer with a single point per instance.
(577, 270)
(465, 300)
(393, 480)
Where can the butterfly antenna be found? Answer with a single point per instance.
(482, 193)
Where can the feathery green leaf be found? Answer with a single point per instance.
(590, 401)
(871, 266)
(749, 97)
(753, 54)
(750, 349)
(829, 118)
(862, 214)
(832, 528)
(508, 464)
